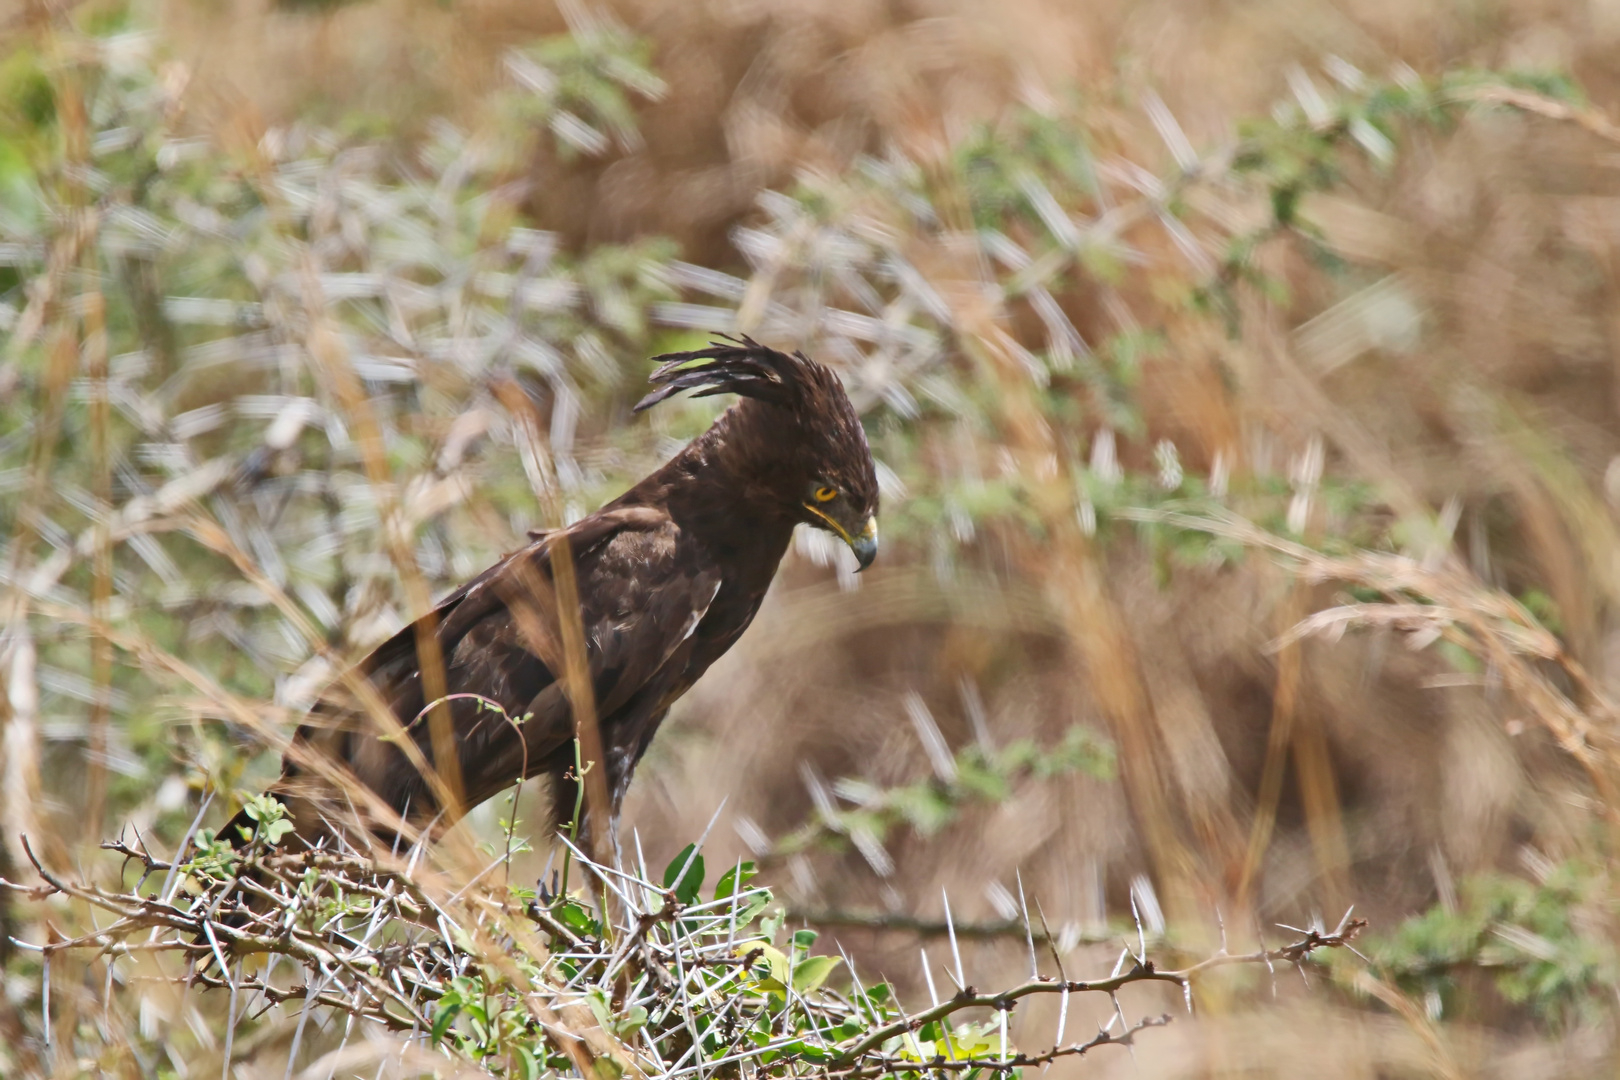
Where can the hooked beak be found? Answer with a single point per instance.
(864, 544)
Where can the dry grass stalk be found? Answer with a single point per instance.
(599, 815)
(1449, 601)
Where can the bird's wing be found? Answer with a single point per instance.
(642, 594)
(452, 617)
(642, 602)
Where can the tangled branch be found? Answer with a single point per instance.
(517, 980)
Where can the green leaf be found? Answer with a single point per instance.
(691, 881)
(447, 1015)
(601, 1006)
(758, 900)
(735, 880)
(771, 973)
(812, 971)
(634, 1019)
(574, 916)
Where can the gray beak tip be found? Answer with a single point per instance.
(865, 548)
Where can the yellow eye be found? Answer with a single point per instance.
(826, 494)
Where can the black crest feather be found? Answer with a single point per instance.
(739, 366)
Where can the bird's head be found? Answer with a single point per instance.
(806, 444)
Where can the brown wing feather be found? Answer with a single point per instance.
(642, 595)
(641, 602)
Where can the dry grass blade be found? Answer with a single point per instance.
(581, 696)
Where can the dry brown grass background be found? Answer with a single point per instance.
(1467, 375)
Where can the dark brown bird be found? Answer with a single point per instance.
(669, 575)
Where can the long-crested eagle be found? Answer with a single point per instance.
(668, 577)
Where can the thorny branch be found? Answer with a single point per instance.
(1017, 1061)
(1142, 971)
(682, 986)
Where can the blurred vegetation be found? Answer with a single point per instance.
(1161, 413)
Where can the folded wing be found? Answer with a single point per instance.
(642, 594)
